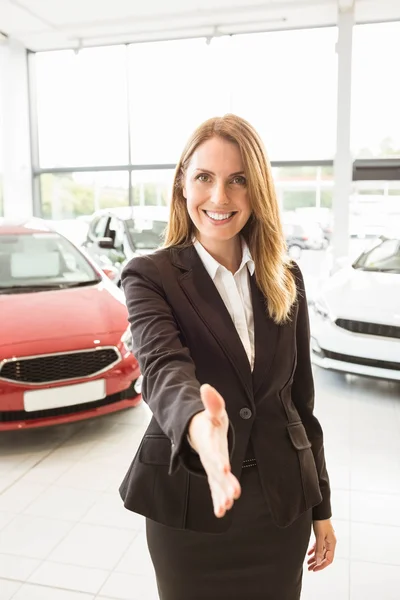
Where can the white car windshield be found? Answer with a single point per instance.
(384, 258)
(42, 261)
(145, 234)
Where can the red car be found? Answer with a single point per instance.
(65, 346)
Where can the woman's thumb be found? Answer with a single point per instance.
(213, 402)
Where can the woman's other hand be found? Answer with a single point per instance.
(323, 551)
(208, 435)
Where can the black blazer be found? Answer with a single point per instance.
(183, 336)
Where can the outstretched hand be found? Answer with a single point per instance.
(208, 434)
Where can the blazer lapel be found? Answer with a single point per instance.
(266, 334)
(206, 300)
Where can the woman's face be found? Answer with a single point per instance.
(215, 188)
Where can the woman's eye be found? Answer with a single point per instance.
(240, 180)
(203, 177)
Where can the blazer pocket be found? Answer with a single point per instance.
(155, 450)
(298, 436)
(308, 471)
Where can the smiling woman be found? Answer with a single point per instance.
(217, 318)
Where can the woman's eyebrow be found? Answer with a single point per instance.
(212, 173)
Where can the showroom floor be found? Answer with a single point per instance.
(64, 534)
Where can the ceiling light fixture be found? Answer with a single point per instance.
(214, 34)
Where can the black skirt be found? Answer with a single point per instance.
(253, 560)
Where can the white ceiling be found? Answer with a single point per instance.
(52, 24)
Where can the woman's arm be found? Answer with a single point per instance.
(303, 398)
(170, 386)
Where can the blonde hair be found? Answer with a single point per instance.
(263, 232)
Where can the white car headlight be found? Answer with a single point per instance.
(127, 339)
(322, 308)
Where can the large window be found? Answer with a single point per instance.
(376, 91)
(152, 188)
(304, 187)
(70, 195)
(174, 86)
(374, 209)
(82, 107)
(285, 83)
(133, 108)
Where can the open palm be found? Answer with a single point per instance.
(208, 433)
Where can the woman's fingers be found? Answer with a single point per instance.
(225, 488)
(221, 503)
(311, 550)
(223, 496)
(224, 491)
(208, 432)
(217, 502)
(237, 490)
(314, 565)
(324, 547)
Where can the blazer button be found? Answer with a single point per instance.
(245, 413)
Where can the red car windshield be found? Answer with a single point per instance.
(42, 260)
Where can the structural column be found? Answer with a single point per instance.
(343, 158)
(15, 130)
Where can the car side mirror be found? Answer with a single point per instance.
(107, 243)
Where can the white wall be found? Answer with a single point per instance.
(14, 130)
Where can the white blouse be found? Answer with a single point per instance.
(234, 290)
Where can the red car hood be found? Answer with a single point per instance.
(69, 313)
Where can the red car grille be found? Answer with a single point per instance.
(59, 367)
(391, 331)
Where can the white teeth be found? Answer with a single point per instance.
(219, 216)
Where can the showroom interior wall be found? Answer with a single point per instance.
(15, 158)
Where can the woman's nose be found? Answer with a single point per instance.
(219, 197)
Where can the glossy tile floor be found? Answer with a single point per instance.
(64, 534)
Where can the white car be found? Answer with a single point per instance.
(355, 320)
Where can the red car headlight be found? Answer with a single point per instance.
(127, 339)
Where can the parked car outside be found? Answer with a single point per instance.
(65, 345)
(294, 245)
(355, 320)
(305, 236)
(322, 216)
(117, 235)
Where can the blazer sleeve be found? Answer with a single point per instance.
(170, 386)
(303, 398)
